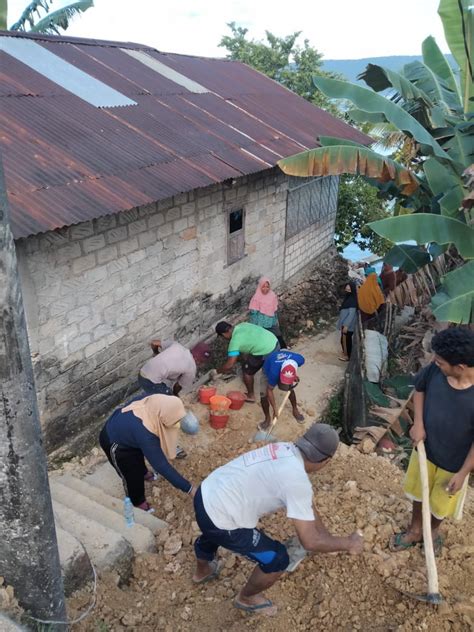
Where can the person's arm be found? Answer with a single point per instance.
(458, 479)
(177, 388)
(417, 431)
(271, 399)
(151, 448)
(314, 537)
(228, 364)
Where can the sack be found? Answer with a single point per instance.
(376, 354)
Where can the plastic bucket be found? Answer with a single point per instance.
(218, 421)
(205, 393)
(219, 404)
(237, 398)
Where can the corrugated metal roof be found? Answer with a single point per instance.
(67, 161)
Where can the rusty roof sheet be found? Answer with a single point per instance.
(67, 161)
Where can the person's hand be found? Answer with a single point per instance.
(155, 345)
(417, 433)
(455, 483)
(344, 330)
(355, 544)
(193, 491)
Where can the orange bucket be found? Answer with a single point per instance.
(219, 404)
(218, 421)
(205, 393)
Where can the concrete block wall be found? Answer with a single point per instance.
(96, 292)
(308, 244)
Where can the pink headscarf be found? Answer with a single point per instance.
(264, 303)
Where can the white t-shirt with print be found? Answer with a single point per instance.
(259, 482)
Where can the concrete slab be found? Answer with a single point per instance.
(107, 479)
(115, 504)
(75, 563)
(106, 548)
(140, 537)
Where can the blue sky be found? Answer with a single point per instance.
(339, 29)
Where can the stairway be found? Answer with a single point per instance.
(91, 529)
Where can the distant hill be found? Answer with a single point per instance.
(351, 68)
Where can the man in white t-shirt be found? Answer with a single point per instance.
(232, 499)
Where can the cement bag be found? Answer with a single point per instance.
(376, 354)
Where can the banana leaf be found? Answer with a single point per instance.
(446, 184)
(376, 395)
(359, 116)
(403, 385)
(434, 59)
(436, 88)
(379, 78)
(427, 227)
(52, 22)
(454, 301)
(336, 160)
(329, 141)
(457, 17)
(370, 101)
(407, 257)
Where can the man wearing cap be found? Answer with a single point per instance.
(232, 499)
(280, 368)
(253, 341)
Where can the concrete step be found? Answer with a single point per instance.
(107, 479)
(140, 537)
(115, 504)
(107, 549)
(75, 563)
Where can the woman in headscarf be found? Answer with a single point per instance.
(348, 319)
(370, 296)
(264, 309)
(148, 428)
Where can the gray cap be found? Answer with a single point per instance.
(318, 443)
(190, 423)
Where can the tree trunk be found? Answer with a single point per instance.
(29, 558)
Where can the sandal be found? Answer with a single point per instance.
(299, 418)
(438, 545)
(260, 608)
(262, 427)
(216, 566)
(396, 543)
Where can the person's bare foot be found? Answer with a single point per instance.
(205, 571)
(256, 604)
(404, 540)
(298, 416)
(264, 426)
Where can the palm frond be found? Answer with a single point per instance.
(60, 19)
(28, 15)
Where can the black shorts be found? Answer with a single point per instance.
(254, 363)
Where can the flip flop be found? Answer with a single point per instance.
(299, 418)
(216, 569)
(396, 544)
(261, 428)
(437, 545)
(343, 359)
(252, 609)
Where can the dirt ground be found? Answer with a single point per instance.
(326, 592)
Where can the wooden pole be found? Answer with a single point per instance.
(433, 587)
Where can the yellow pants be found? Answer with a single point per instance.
(442, 505)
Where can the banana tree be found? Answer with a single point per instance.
(432, 106)
(51, 22)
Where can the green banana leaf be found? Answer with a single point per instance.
(457, 17)
(379, 78)
(376, 395)
(359, 116)
(434, 59)
(454, 302)
(403, 385)
(329, 141)
(336, 160)
(61, 18)
(436, 88)
(370, 101)
(407, 257)
(444, 182)
(427, 227)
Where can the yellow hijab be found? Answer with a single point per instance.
(160, 415)
(370, 295)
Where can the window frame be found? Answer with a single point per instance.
(236, 236)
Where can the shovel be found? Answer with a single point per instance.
(265, 435)
(433, 595)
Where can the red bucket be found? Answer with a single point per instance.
(237, 398)
(205, 393)
(218, 421)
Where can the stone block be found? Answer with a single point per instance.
(95, 275)
(116, 234)
(188, 209)
(189, 233)
(179, 225)
(66, 253)
(179, 199)
(137, 227)
(109, 253)
(147, 238)
(204, 201)
(126, 217)
(173, 214)
(82, 264)
(128, 246)
(135, 257)
(165, 230)
(78, 343)
(95, 347)
(78, 314)
(101, 224)
(81, 231)
(158, 219)
(164, 205)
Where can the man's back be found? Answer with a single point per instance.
(262, 481)
(175, 363)
(252, 339)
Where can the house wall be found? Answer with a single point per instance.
(96, 292)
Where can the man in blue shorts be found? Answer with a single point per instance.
(231, 500)
(280, 368)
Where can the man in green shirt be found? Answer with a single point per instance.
(253, 341)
